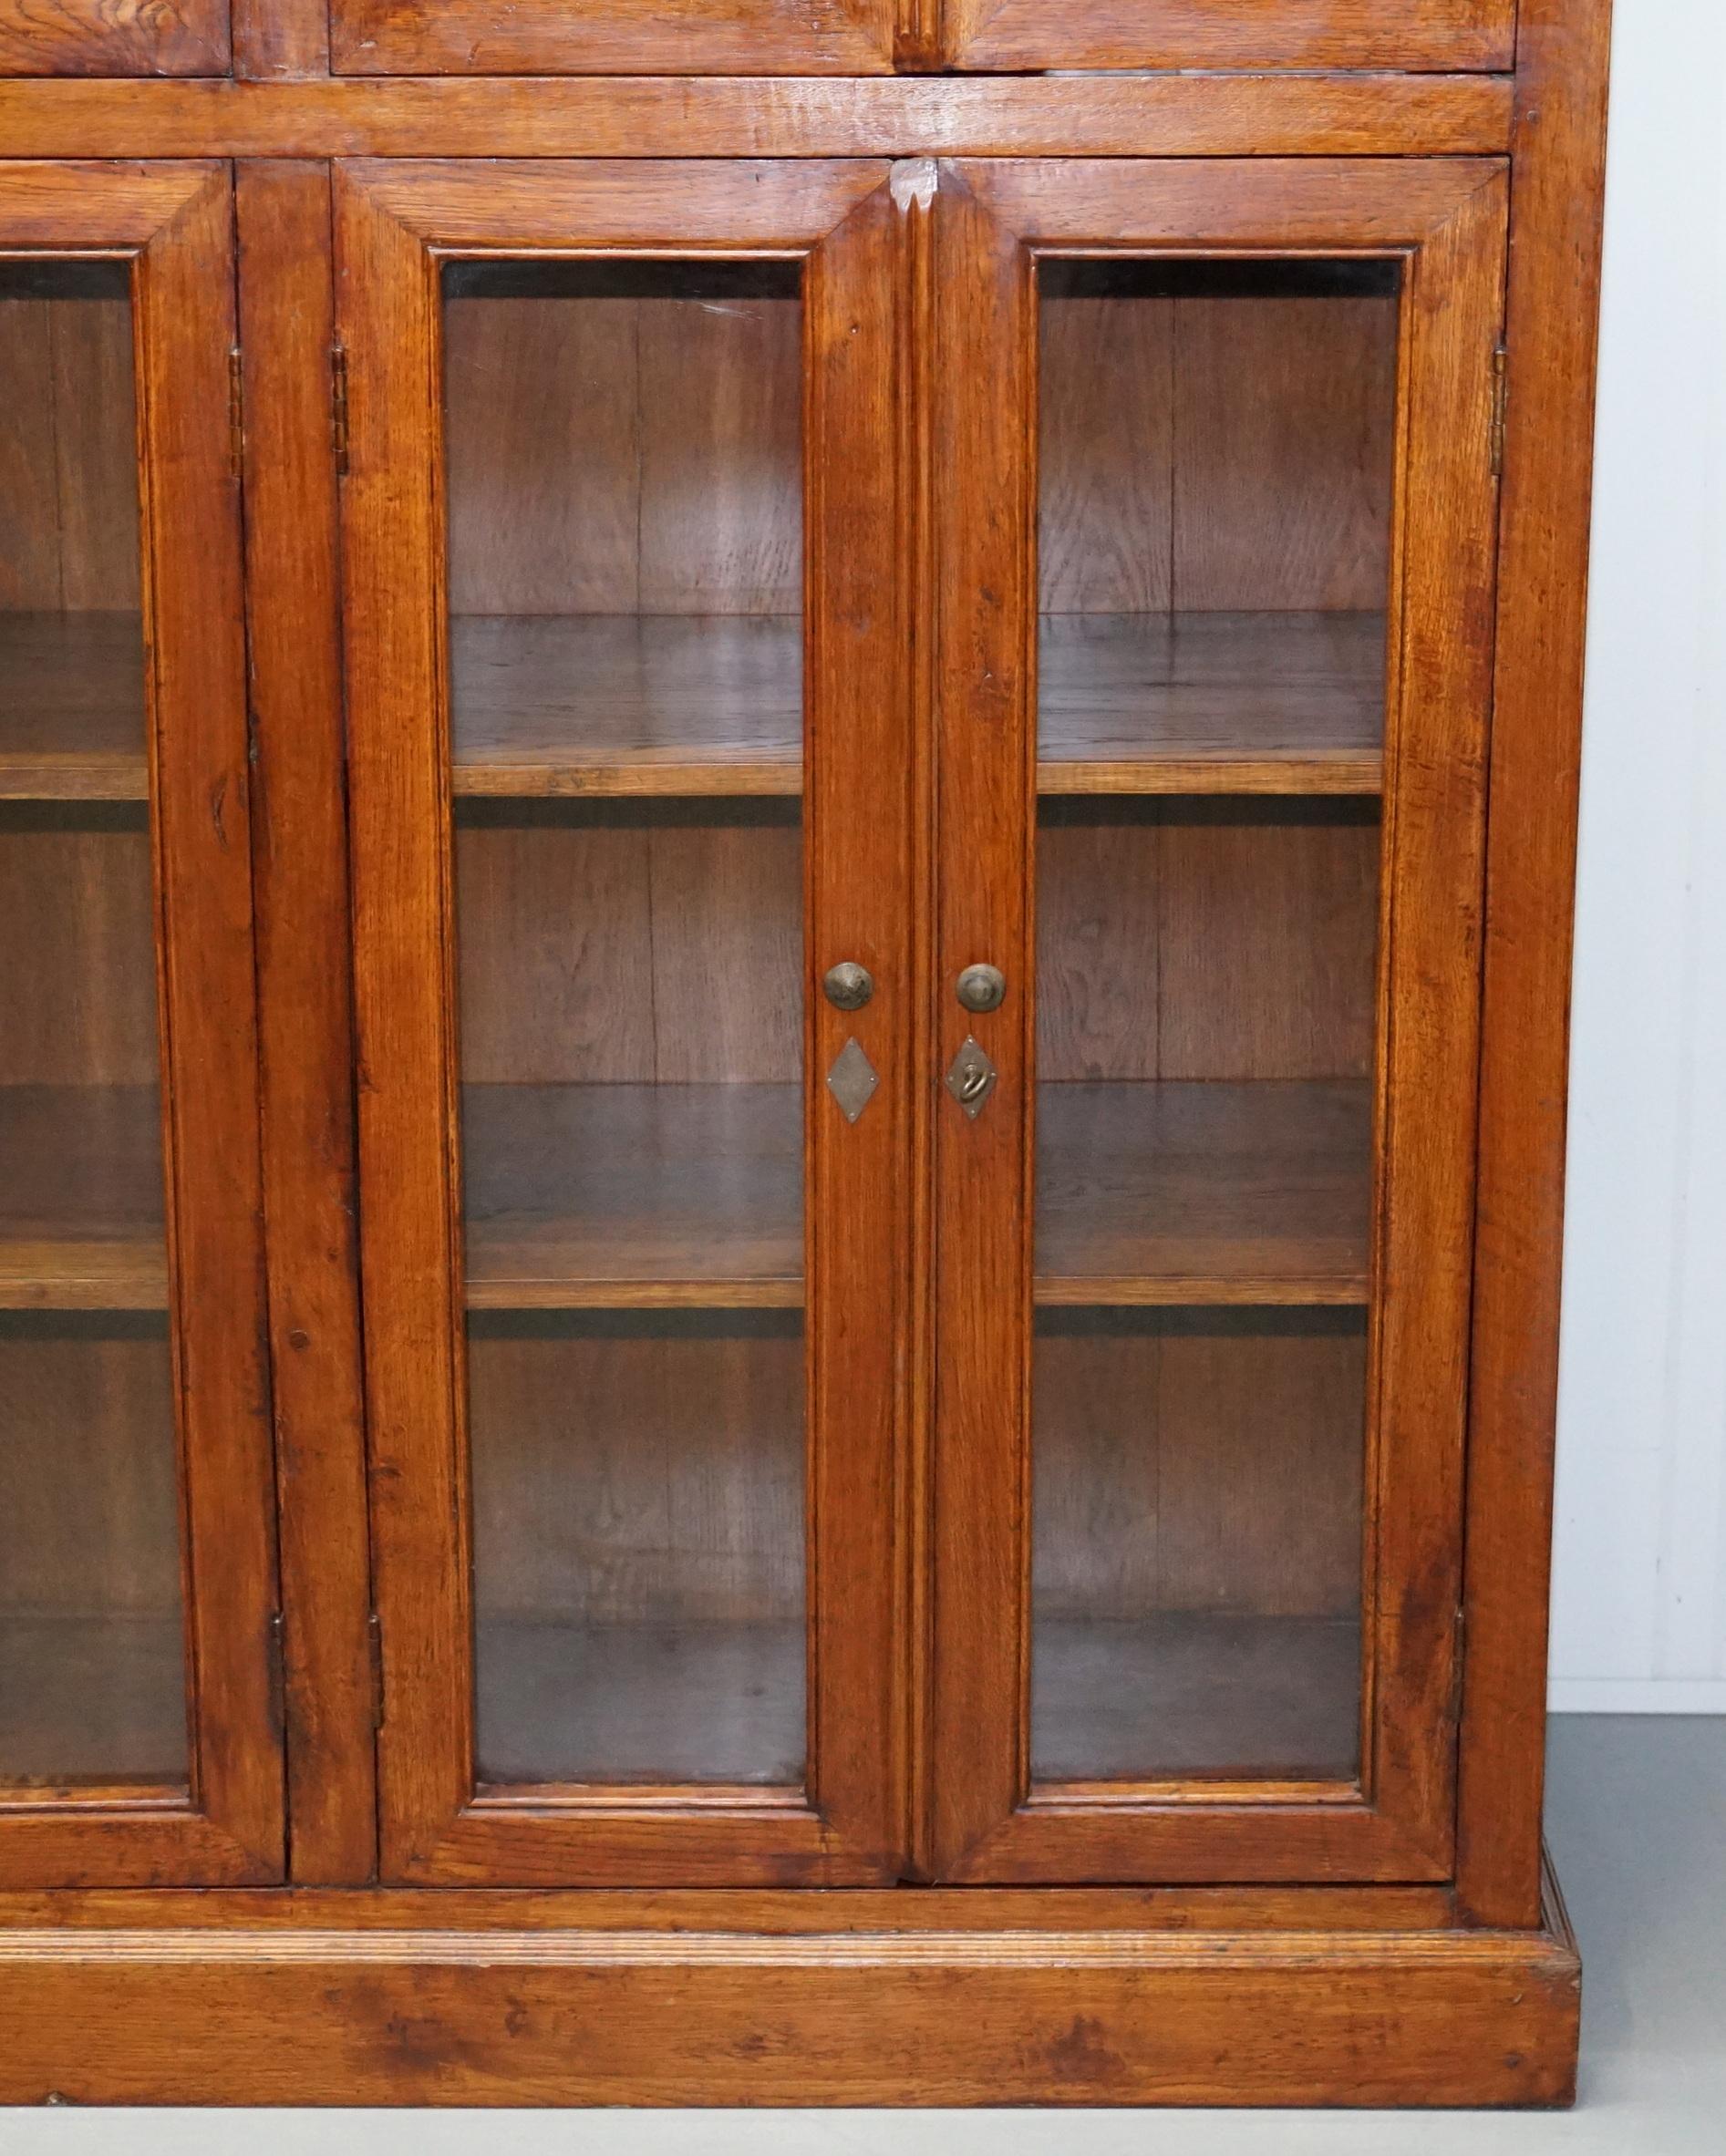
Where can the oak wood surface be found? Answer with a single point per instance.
(406, 2016)
(177, 220)
(843, 218)
(72, 718)
(1134, 703)
(1450, 215)
(1222, 114)
(620, 37)
(100, 37)
(1201, 1462)
(299, 870)
(1410, 33)
(627, 704)
(1555, 271)
(788, 1912)
(1188, 1192)
(679, 1197)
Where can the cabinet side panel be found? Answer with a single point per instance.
(1554, 258)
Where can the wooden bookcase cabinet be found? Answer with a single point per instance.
(1038, 1589)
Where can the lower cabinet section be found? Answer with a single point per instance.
(746, 1205)
(726, 2000)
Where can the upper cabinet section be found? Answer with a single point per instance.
(113, 37)
(751, 37)
(880, 36)
(1014, 36)
(614, 37)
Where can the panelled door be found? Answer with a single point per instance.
(139, 1737)
(619, 37)
(1393, 33)
(633, 917)
(1214, 450)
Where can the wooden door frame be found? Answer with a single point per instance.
(395, 225)
(1446, 219)
(175, 223)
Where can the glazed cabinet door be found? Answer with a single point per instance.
(139, 1737)
(1419, 35)
(1216, 447)
(629, 797)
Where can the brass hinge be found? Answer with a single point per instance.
(278, 1673)
(1501, 402)
(236, 413)
(374, 1642)
(338, 405)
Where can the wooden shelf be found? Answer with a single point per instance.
(91, 1698)
(610, 705)
(1211, 703)
(81, 1199)
(703, 1702)
(679, 1197)
(1185, 1693)
(687, 1197)
(1173, 1694)
(613, 704)
(643, 1197)
(1185, 1192)
(72, 707)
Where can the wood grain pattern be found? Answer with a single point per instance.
(657, 1197)
(300, 879)
(68, 449)
(1106, 434)
(436, 1825)
(1180, 1193)
(1451, 216)
(604, 1196)
(1283, 425)
(1218, 115)
(1412, 34)
(613, 454)
(621, 36)
(949, 2017)
(113, 37)
(1142, 903)
(1211, 703)
(682, 705)
(1198, 1459)
(1543, 571)
(81, 1220)
(72, 724)
(787, 1912)
(230, 1826)
(602, 946)
(626, 705)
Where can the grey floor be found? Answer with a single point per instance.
(1638, 1821)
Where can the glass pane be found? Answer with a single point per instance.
(1216, 531)
(624, 461)
(92, 1618)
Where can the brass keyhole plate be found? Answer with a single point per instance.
(972, 1078)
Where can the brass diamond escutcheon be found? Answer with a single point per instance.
(853, 1080)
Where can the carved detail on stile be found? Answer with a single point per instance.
(914, 182)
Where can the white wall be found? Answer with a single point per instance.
(1639, 1616)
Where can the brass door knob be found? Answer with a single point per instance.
(982, 987)
(849, 985)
